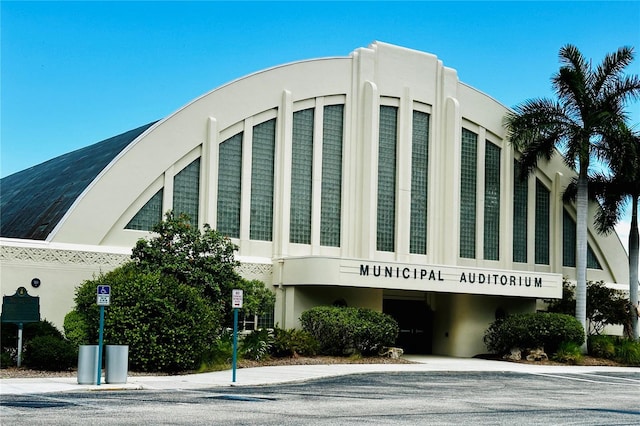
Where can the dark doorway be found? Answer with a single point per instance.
(415, 320)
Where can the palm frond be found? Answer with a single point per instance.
(608, 72)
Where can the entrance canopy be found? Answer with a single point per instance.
(421, 277)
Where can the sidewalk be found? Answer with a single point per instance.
(294, 373)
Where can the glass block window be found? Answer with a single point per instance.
(492, 202)
(569, 245)
(468, 172)
(520, 209)
(542, 224)
(301, 173)
(261, 218)
(568, 240)
(592, 260)
(266, 320)
(387, 178)
(419, 176)
(149, 215)
(229, 186)
(186, 191)
(330, 204)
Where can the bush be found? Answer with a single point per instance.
(348, 330)
(628, 352)
(6, 360)
(256, 345)
(9, 334)
(568, 352)
(76, 329)
(533, 330)
(602, 346)
(293, 342)
(219, 356)
(168, 325)
(50, 353)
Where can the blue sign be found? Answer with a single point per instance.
(104, 290)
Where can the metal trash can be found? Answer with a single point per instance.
(87, 364)
(116, 363)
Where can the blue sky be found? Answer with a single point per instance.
(75, 73)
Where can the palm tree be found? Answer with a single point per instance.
(613, 192)
(590, 102)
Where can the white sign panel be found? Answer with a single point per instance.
(104, 295)
(236, 298)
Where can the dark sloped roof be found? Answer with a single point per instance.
(33, 201)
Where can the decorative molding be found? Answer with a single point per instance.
(49, 256)
(257, 271)
(60, 257)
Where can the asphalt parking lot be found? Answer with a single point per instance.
(405, 398)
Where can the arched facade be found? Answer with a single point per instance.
(377, 179)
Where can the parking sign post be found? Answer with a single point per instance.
(103, 299)
(236, 303)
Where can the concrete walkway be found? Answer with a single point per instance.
(285, 374)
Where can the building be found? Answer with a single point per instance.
(376, 180)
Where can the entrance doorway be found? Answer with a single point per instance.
(415, 320)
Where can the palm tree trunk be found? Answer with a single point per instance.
(634, 256)
(581, 251)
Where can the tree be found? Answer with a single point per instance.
(168, 325)
(612, 191)
(590, 103)
(605, 306)
(203, 260)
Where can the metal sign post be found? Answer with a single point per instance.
(236, 302)
(103, 299)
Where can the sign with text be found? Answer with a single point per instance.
(21, 307)
(421, 277)
(104, 295)
(236, 298)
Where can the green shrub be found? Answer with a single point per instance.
(219, 355)
(293, 342)
(602, 346)
(348, 330)
(76, 329)
(50, 353)
(569, 353)
(628, 352)
(533, 330)
(168, 325)
(6, 360)
(29, 332)
(256, 345)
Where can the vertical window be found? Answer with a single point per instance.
(419, 176)
(520, 200)
(301, 173)
(388, 129)
(149, 215)
(468, 174)
(229, 186)
(569, 245)
(492, 202)
(542, 224)
(568, 240)
(261, 217)
(331, 196)
(186, 191)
